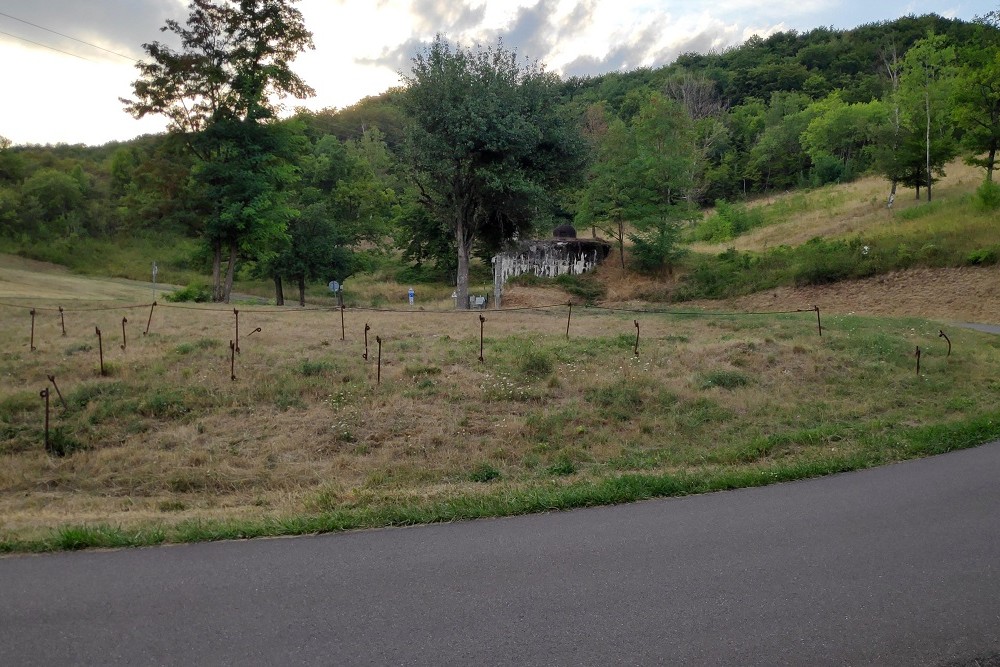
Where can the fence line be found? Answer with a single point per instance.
(409, 311)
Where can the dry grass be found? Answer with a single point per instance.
(168, 437)
(844, 210)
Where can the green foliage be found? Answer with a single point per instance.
(483, 473)
(487, 142)
(61, 443)
(536, 363)
(988, 196)
(984, 256)
(619, 401)
(314, 368)
(585, 286)
(197, 292)
(725, 379)
(563, 465)
(728, 222)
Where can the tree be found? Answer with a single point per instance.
(220, 90)
(606, 201)
(977, 106)
(487, 143)
(925, 84)
(664, 177)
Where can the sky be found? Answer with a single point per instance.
(66, 88)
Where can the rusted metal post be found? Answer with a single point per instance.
(237, 314)
(378, 376)
(568, 318)
(124, 338)
(32, 329)
(44, 393)
(367, 329)
(917, 355)
(100, 348)
(636, 337)
(232, 361)
(62, 320)
(52, 379)
(343, 330)
(819, 322)
(942, 334)
(482, 326)
(150, 320)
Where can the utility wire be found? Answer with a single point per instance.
(46, 46)
(55, 32)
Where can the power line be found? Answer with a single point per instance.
(55, 32)
(46, 46)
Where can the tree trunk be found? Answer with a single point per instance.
(462, 277)
(279, 292)
(990, 163)
(217, 271)
(621, 241)
(892, 194)
(230, 270)
(302, 291)
(927, 104)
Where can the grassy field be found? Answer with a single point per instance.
(313, 436)
(167, 447)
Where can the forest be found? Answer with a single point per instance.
(408, 178)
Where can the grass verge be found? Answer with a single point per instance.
(504, 501)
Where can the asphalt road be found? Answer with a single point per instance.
(892, 566)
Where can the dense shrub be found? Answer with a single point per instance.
(728, 222)
(988, 196)
(197, 292)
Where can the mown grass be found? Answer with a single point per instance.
(308, 438)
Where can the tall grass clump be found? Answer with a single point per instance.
(728, 222)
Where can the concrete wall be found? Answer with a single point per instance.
(547, 259)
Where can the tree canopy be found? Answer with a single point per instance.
(487, 143)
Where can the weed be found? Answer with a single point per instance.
(62, 443)
(619, 401)
(724, 379)
(308, 368)
(484, 472)
(536, 364)
(563, 465)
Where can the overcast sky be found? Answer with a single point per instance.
(361, 45)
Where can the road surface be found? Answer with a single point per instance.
(892, 566)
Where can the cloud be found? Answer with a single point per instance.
(447, 16)
(117, 25)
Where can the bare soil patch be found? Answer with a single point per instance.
(956, 294)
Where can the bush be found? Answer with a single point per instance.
(984, 256)
(196, 292)
(729, 221)
(988, 196)
(826, 169)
